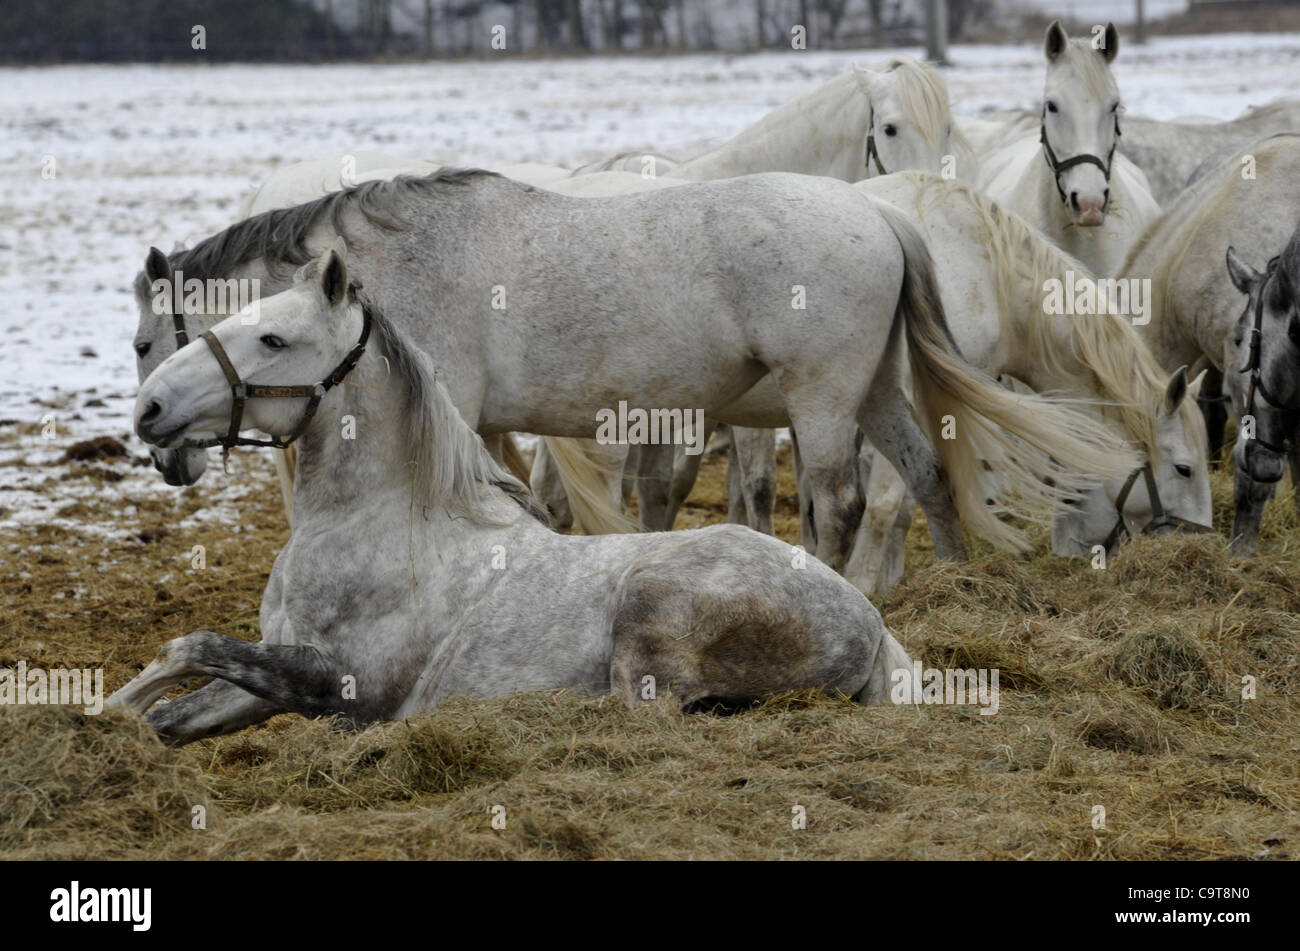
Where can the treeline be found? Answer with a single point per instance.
(46, 31)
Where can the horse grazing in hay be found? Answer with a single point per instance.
(1248, 202)
(1069, 181)
(421, 569)
(1264, 377)
(996, 269)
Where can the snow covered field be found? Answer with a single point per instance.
(155, 154)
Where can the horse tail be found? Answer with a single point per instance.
(1026, 451)
(593, 482)
(513, 459)
(889, 665)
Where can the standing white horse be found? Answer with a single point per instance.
(450, 582)
(591, 320)
(1069, 181)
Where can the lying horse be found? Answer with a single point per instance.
(419, 568)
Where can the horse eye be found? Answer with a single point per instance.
(1184, 471)
(1051, 106)
(890, 130)
(142, 349)
(274, 342)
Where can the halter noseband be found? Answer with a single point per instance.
(1159, 517)
(1060, 167)
(241, 392)
(1253, 364)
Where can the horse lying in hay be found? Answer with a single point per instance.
(419, 568)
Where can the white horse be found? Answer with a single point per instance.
(421, 569)
(1172, 153)
(592, 320)
(860, 125)
(1069, 181)
(993, 283)
(1249, 202)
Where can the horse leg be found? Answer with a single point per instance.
(289, 677)
(544, 480)
(215, 709)
(686, 469)
(1295, 473)
(807, 527)
(755, 457)
(1250, 497)
(1215, 411)
(887, 420)
(877, 559)
(654, 476)
(286, 463)
(829, 452)
(737, 513)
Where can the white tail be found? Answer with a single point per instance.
(593, 482)
(1027, 451)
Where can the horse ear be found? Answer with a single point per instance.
(1194, 388)
(1054, 44)
(1110, 45)
(334, 278)
(157, 267)
(1243, 275)
(1176, 391)
(340, 247)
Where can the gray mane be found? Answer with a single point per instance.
(453, 467)
(279, 237)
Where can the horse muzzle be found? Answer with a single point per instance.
(180, 466)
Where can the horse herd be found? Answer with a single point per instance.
(998, 319)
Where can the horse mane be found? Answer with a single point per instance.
(1125, 369)
(452, 467)
(1092, 67)
(279, 237)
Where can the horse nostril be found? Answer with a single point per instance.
(1074, 200)
(1105, 198)
(151, 413)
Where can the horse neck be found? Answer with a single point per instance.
(366, 467)
(832, 120)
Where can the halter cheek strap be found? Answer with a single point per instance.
(1253, 364)
(1159, 517)
(1061, 166)
(873, 155)
(241, 392)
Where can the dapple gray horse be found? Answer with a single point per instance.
(419, 568)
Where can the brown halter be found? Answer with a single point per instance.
(1159, 517)
(241, 392)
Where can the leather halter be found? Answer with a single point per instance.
(241, 392)
(1253, 366)
(872, 154)
(1060, 166)
(1159, 517)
